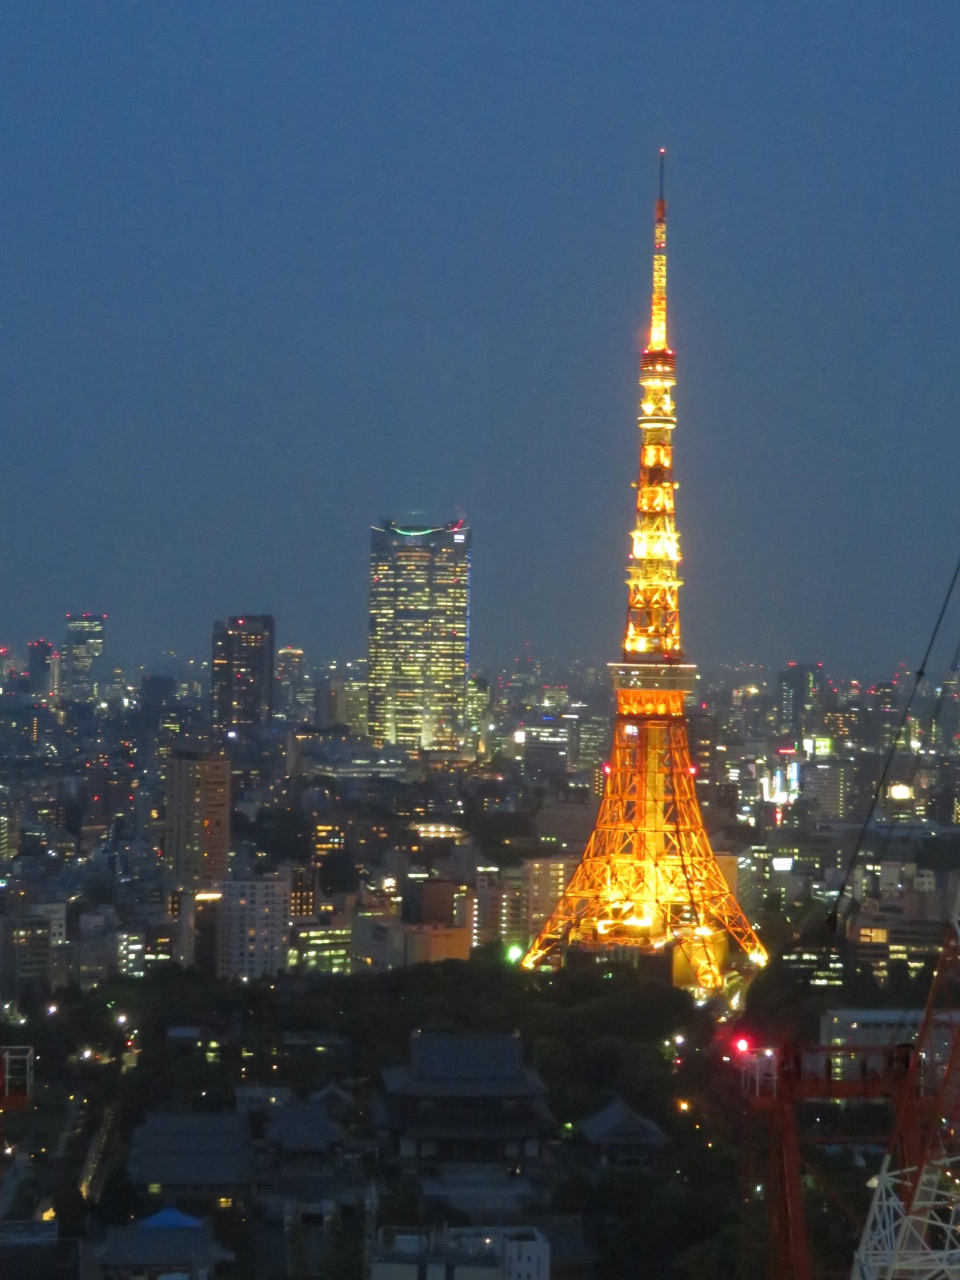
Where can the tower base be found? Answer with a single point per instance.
(648, 882)
(649, 966)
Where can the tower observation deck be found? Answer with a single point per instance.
(648, 880)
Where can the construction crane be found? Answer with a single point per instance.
(16, 1083)
(912, 1230)
(913, 1227)
(776, 1083)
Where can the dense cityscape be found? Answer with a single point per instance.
(450, 808)
(192, 855)
(385, 962)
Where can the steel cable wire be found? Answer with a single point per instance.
(878, 789)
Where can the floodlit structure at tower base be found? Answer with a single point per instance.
(648, 880)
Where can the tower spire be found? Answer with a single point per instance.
(653, 615)
(648, 881)
(658, 310)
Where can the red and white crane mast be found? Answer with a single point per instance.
(912, 1231)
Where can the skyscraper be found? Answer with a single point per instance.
(40, 666)
(800, 698)
(297, 700)
(347, 695)
(419, 635)
(242, 674)
(85, 635)
(478, 712)
(197, 828)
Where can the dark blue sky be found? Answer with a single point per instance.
(269, 271)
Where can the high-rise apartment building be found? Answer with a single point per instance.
(304, 890)
(501, 911)
(253, 927)
(242, 677)
(419, 635)
(197, 831)
(544, 882)
(85, 637)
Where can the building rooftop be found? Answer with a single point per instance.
(197, 1151)
(467, 1065)
(147, 1244)
(170, 1217)
(618, 1125)
(304, 1128)
(478, 1190)
(481, 1245)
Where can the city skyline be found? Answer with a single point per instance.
(432, 789)
(219, 311)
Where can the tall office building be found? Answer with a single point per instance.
(800, 698)
(197, 831)
(289, 669)
(242, 676)
(828, 785)
(40, 666)
(478, 712)
(419, 635)
(157, 695)
(297, 691)
(85, 635)
(347, 700)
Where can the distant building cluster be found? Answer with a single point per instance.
(258, 813)
(788, 765)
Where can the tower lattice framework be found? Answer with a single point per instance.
(648, 879)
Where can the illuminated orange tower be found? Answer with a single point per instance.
(648, 879)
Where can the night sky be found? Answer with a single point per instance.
(271, 271)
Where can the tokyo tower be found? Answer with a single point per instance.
(648, 880)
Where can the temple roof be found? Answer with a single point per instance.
(191, 1150)
(304, 1127)
(144, 1245)
(618, 1125)
(464, 1066)
(170, 1217)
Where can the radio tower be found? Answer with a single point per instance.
(648, 879)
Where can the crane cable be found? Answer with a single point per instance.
(878, 789)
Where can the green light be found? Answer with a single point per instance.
(514, 954)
